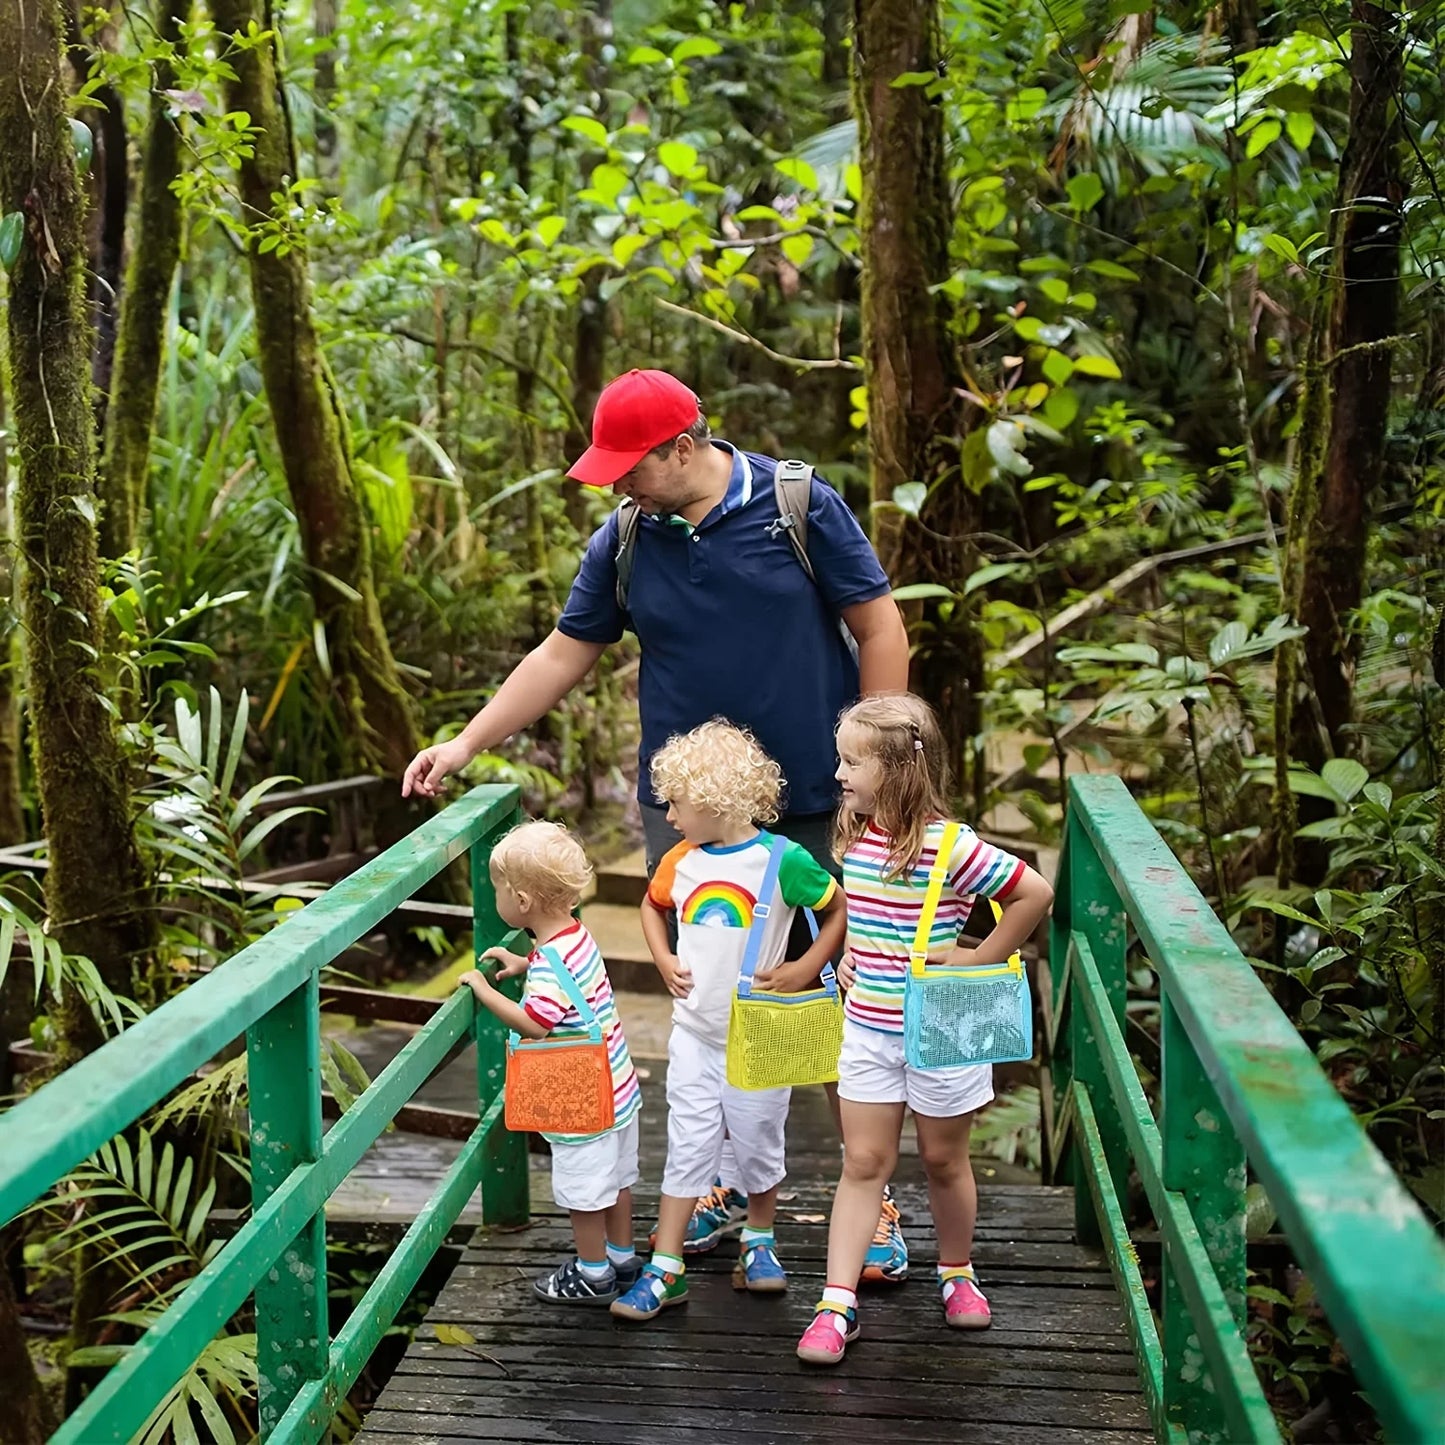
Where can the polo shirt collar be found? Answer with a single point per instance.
(737, 496)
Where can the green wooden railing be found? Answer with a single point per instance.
(1239, 1089)
(269, 993)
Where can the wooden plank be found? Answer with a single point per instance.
(557, 1420)
(1361, 1238)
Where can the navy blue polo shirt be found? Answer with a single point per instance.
(730, 626)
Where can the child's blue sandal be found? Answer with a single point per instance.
(655, 1291)
(758, 1271)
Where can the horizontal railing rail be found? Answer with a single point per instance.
(269, 991)
(1238, 1089)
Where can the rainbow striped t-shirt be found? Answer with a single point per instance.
(883, 916)
(547, 1004)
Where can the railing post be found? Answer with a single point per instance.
(506, 1195)
(283, 1060)
(1096, 911)
(1204, 1161)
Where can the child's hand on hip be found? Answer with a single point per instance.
(677, 978)
(792, 977)
(512, 963)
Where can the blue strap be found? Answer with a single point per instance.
(761, 909)
(575, 996)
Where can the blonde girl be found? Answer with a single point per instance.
(891, 819)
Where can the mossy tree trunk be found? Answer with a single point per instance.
(913, 368)
(140, 348)
(311, 431)
(96, 891)
(1344, 419)
(26, 1417)
(95, 888)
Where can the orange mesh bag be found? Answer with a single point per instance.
(561, 1084)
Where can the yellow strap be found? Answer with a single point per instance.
(918, 955)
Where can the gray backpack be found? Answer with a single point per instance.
(793, 487)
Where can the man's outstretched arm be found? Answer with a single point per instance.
(534, 687)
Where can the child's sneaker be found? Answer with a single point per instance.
(569, 1285)
(655, 1291)
(832, 1331)
(887, 1257)
(758, 1271)
(628, 1274)
(964, 1307)
(717, 1214)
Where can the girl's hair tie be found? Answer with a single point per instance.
(917, 741)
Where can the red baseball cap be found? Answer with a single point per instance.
(634, 414)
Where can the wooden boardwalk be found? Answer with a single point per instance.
(1055, 1366)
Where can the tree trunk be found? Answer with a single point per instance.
(378, 728)
(12, 807)
(1344, 414)
(110, 189)
(328, 158)
(95, 888)
(26, 1417)
(912, 366)
(130, 418)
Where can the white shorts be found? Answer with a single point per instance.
(871, 1070)
(589, 1176)
(703, 1109)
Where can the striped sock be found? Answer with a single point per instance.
(594, 1269)
(619, 1255)
(752, 1237)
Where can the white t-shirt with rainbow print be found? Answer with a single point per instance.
(713, 889)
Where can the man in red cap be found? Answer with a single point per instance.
(729, 622)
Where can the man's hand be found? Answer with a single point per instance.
(786, 978)
(512, 963)
(677, 978)
(431, 766)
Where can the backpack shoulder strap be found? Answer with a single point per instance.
(628, 519)
(793, 485)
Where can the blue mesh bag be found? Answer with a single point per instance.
(958, 1016)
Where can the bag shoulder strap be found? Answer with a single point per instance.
(918, 954)
(761, 909)
(628, 520)
(573, 990)
(793, 487)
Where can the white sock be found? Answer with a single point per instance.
(620, 1254)
(595, 1270)
(837, 1295)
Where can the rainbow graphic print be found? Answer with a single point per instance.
(719, 905)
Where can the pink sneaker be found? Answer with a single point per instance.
(964, 1307)
(832, 1331)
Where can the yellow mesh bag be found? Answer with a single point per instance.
(776, 1040)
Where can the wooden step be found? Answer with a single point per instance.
(624, 881)
(618, 931)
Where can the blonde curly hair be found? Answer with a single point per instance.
(544, 861)
(719, 768)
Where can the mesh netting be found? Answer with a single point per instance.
(951, 1020)
(773, 1045)
(559, 1089)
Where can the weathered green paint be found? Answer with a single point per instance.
(1203, 1163)
(311, 1412)
(1230, 1393)
(66, 1122)
(506, 1193)
(1364, 1242)
(1096, 912)
(1060, 1057)
(118, 1406)
(1124, 1262)
(283, 1063)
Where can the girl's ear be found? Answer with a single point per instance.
(524, 901)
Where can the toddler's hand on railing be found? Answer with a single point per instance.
(512, 963)
(477, 981)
